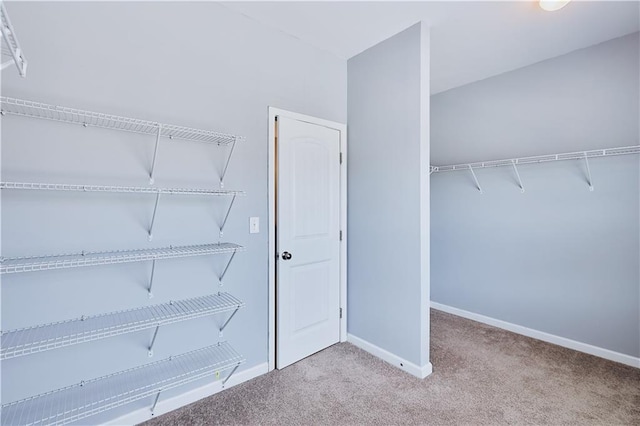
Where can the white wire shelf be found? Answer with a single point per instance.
(11, 51)
(40, 338)
(120, 189)
(581, 155)
(130, 190)
(12, 265)
(108, 121)
(95, 396)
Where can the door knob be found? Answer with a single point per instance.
(286, 255)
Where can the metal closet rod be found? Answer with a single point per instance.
(580, 155)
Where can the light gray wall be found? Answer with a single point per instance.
(193, 64)
(558, 258)
(587, 99)
(387, 86)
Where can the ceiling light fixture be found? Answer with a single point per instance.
(553, 5)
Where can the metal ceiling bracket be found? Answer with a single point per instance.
(589, 180)
(475, 178)
(155, 154)
(515, 169)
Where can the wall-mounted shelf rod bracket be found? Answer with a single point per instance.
(155, 154)
(224, 272)
(155, 402)
(153, 218)
(153, 341)
(227, 322)
(153, 272)
(226, 216)
(515, 169)
(589, 180)
(226, 164)
(229, 375)
(475, 178)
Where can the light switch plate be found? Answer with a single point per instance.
(254, 225)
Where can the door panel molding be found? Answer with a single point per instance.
(272, 237)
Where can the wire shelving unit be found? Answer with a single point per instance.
(41, 110)
(85, 118)
(11, 51)
(12, 265)
(514, 162)
(129, 190)
(581, 155)
(40, 338)
(116, 189)
(95, 396)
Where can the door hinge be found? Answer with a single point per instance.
(340, 312)
(341, 235)
(340, 158)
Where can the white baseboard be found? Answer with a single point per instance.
(189, 397)
(396, 361)
(541, 335)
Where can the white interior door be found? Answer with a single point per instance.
(308, 239)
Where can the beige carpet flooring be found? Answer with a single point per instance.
(482, 376)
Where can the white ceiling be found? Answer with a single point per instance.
(470, 40)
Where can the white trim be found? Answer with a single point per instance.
(342, 128)
(396, 361)
(425, 193)
(541, 335)
(189, 397)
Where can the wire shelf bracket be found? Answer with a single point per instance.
(224, 271)
(11, 47)
(515, 169)
(226, 216)
(11, 265)
(475, 178)
(226, 164)
(514, 162)
(45, 337)
(155, 154)
(589, 180)
(80, 401)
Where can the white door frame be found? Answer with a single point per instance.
(342, 128)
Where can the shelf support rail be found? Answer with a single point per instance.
(475, 178)
(155, 154)
(515, 169)
(226, 216)
(589, 180)
(226, 165)
(153, 341)
(153, 218)
(153, 272)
